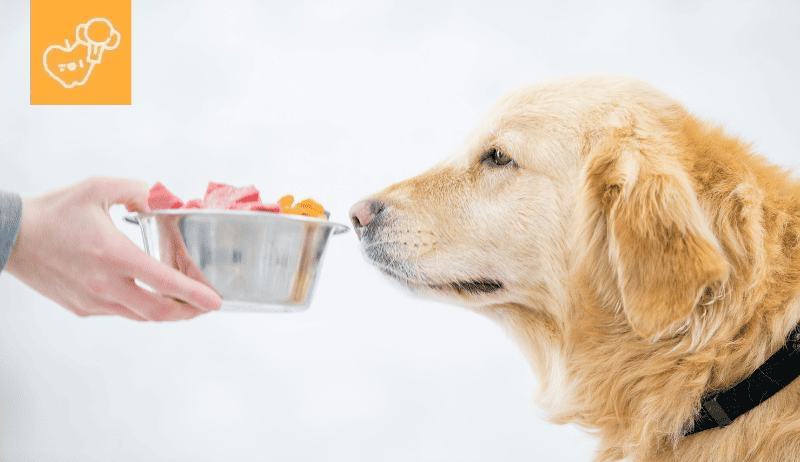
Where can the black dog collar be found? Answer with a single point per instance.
(720, 409)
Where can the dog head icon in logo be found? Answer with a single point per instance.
(71, 65)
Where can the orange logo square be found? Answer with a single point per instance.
(81, 52)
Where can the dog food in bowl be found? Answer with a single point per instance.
(222, 196)
(262, 262)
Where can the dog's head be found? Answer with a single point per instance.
(575, 181)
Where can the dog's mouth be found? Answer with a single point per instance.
(467, 287)
(476, 287)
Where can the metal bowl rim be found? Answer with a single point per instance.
(338, 227)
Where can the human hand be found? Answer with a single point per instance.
(69, 250)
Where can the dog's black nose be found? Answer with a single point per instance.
(363, 213)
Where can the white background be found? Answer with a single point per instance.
(331, 100)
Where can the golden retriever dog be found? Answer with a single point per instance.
(640, 257)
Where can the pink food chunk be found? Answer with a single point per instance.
(195, 204)
(212, 186)
(223, 196)
(161, 198)
(218, 196)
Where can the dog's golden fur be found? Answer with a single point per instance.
(644, 259)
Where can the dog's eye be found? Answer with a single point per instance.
(496, 158)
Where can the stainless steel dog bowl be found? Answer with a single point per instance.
(257, 261)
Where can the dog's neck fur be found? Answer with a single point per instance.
(594, 370)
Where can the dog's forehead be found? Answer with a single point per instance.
(566, 108)
(571, 98)
(544, 124)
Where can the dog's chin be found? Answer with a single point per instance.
(462, 288)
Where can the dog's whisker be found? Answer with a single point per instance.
(382, 242)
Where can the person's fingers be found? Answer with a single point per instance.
(171, 282)
(116, 309)
(155, 307)
(140, 207)
(132, 193)
(77, 311)
(99, 306)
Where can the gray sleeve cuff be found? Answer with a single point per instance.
(10, 220)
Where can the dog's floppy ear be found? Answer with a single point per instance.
(645, 220)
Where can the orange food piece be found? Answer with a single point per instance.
(311, 207)
(308, 207)
(286, 201)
